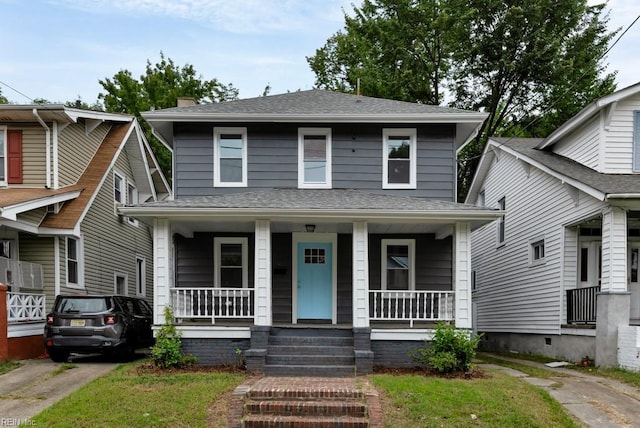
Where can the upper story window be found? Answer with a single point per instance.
(636, 141)
(118, 188)
(399, 158)
(314, 158)
(536, 251)
(231, 262)
(3, 156)
(501, 206)
(398, 267)
(230, 157)
(132, 199)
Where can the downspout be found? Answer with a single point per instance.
(56, 267)
(47, 148)
(56, 180)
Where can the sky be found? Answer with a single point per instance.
(59, 49)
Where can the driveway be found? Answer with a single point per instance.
(37, 384)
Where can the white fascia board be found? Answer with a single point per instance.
(601, 196)
(416, 334)
(11, 212)
(74, 114)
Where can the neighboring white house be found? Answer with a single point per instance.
(558, 274)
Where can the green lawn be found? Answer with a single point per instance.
(8, 365)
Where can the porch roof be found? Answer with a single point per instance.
(336, 204)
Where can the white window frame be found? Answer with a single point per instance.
(123, 275)
(131, 200)
(533, 245)
(141, 276)
(413, 151)
(302, 184)
(411, 243)
(635, 163)
(78, 260)
(121, 188)
(218, 242)
(3, 131)
(217, 131)
(501, 230)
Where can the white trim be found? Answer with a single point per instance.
(533, 243)
(416, 334)
(326, 132)
(3, 131)
(263, 308)
(413, 161)
(217, 243)
(141, 276)
(10, 212)
(56, 265)
(117, 275)
(567, 331)
(411, 243)
(79, 262)
(217, 131)
(25, 329)
(360, 274)
(121, 188)
(209, 332)
(331, 238)
(131, 201)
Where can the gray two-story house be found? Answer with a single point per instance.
(316, 231)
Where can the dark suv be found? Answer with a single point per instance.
(113, 325)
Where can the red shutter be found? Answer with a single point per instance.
(14, 157)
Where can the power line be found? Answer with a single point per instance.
(15, 90)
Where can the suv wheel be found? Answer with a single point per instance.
(58, 356)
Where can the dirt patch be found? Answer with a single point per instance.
(152, 368)
(423, 371)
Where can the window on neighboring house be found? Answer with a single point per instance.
(118, 188)
(140, 276)
(73, 262)
(230, 157)
(481, 201)
(132, 198)
(398, 271)
(314, 158)
(501, 206)
(231, 262)
(3, 155)
(636, 141)
(399, 158)
(536, 251)
(473, 280)
(120, 285)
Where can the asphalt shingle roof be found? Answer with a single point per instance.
(307, 199)
(606, 183)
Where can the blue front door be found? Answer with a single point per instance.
(315, 280)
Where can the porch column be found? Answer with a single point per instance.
(262, 281)
(360, 275)
(614, 299)
(162, 276)
(462, 275)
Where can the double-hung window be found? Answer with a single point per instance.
(536, 251)
(140, 276)
(501, 226)
(74, 258)
(398, 264)
(399, 158)
(118, 188)
(132, 199)
(230, 157)
(3, 156)
(314, 158)
(231, 262)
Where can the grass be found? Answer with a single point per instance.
(8, 365)
(143, 400)
(498, 400)
(524, 368)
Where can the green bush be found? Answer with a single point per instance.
(450, 350)
(167, 352)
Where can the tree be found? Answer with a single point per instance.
(160, 87)
(3, 99)
(529, 65)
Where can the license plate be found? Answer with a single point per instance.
(77, 323)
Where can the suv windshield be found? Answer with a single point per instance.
(82, 304)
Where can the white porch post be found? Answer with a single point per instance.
(462, 275)
(162, 276)
(262, 281)
(360, 274)
(614, 300)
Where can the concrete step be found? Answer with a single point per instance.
(308, 370)
(310, 350)
(351, 408)
(310, 341)
(310, 360)
(277, 421)
(311, 331)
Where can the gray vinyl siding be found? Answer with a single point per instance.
(273, 158)
(33, 155)
(111, 244)
(34, 249)
(76, 149)
(33, 217)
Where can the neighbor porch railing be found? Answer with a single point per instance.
(20, 274)
(23, 307)
(581, 305)
(212, 303)
(411, 306)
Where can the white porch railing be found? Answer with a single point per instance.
(20, 274)
(212, 303)
(23, 307)
(411, 305)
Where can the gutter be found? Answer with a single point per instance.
(624, 196)
(47, 148)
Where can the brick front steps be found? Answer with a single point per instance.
(305, 402)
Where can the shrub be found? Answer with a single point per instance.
(450, 350)
(167, 352)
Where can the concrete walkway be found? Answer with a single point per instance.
(37, 384)
(594, 401)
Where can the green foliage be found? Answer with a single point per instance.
(450, 350)
(160, 87)
(167, 351)
(3, 99)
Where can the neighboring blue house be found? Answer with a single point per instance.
(316, 231)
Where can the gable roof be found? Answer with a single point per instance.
(600, 186)
(315, 106)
